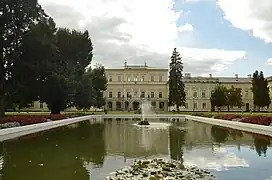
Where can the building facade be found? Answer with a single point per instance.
(199, 89)
(131, 85)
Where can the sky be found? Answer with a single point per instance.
(219, 37)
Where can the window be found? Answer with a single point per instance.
(135, 78)
(160, 94)
(110, 78)
(246, 93)
(135, 93)
(212, 91)
(143, 78)
(187, 93)
(195, 94)
(186, 105)
(160, 78)
(152, 78)
(128, 77)
(119, 94)
(195, 105)
(41, 105)
(128, 94)
(204, 105)
(110, 94)
(152, 94)
(203, 93)
(142, 94)
(119, 78)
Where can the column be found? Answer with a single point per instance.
(113, 105)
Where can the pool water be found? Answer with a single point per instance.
(94, 148)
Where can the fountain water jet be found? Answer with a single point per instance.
(146, 109)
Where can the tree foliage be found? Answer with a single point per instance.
(223, 96)
(234, 97)
(40, 62)
(177, 94)
(260, 90)
(17, 16)
(74, 55)
(219, 97)
(90, 89)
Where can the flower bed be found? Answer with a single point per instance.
(228, 117)
(34, 119)
(261, 120)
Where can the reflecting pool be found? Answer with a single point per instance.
(94, 148)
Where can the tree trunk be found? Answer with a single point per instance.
(177, 108)
(55, 111)
(2, 91)
(228, 108)
(2, 73)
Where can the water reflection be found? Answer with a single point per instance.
(261, 145)
(177, 142)
(59, 154)
(220, 134)
(92, 149)
(123, 138)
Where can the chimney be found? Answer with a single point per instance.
(188, 75)
(210, 75)
(236, 76)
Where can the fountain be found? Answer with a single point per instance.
(146, 109)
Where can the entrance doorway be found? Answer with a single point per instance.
(161, 105)
(135, 105)
(118, 106)
(126, 105)
(110, 106)
(247, 107)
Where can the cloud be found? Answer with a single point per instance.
(249, 15)
(186, 27)
(269, 61)
(138, 31)
(194, 1)
(218, 160)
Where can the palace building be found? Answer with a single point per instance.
(129, 85)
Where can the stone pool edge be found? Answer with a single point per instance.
(254, 128)
(14, 132)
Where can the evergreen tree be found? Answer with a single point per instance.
(219, 97)
(260, 90)
(177, 94)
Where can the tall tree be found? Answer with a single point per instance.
(177, 94)
(234, 97)
(36, 62)
(75, 54)
(260, 90)
(17, 16)
(219, 97)
(99, 82)
(84, 97)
